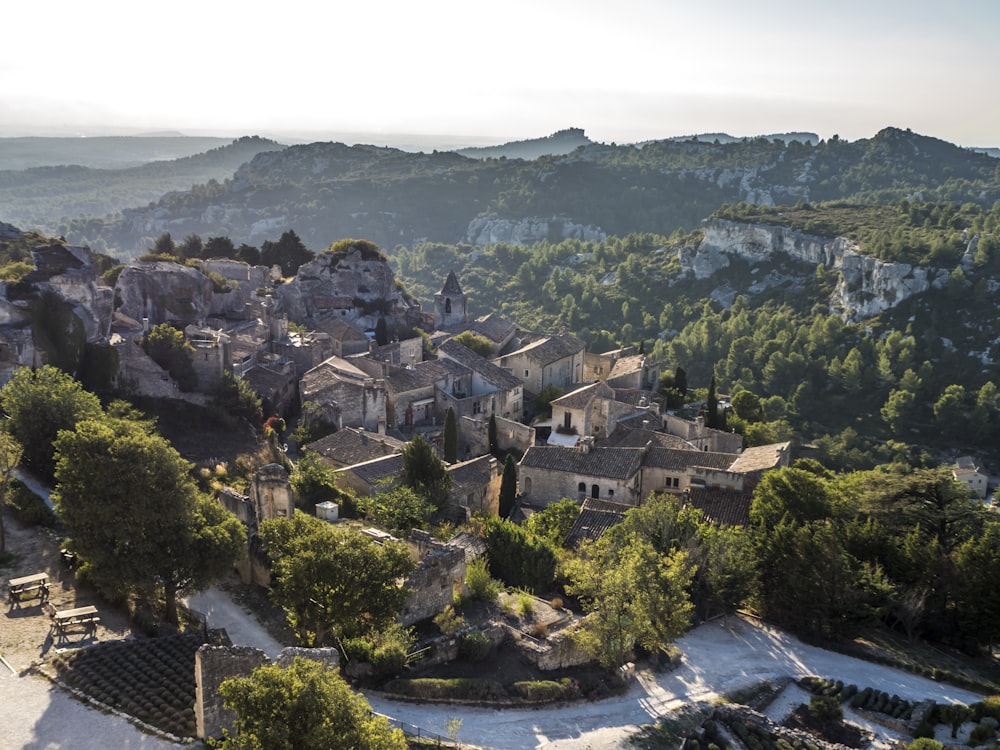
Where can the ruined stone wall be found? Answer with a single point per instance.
(212, 666)
(474, 436)
(271, 493)
(431, 586)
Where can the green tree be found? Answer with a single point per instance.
(333, 581)
(712, 407)
(315, 482)
(634, 594)
(450, 436)
(10, 457)
(134, 516)
(518, 557)
(398, 509)
(39, 403)
(494, 444)
(475, 342)
(168, 347)
(747, 406)
(305, 706)
(288, 253)
(381, 331)
(164, 245)
(58, 332)
(424, 472)
(508, 487)
(554, 521)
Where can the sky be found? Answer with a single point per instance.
(488, 72)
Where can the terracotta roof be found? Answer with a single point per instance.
(721, 507)
(451, 285)
(610, 463)
(596, 517)
(352, 445)
(760, 458)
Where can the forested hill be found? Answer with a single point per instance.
(46, 198)
(327, 191)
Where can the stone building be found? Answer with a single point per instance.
(549, 473)
(550, 360)
(451, 305)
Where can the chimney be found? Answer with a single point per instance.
(380, 427)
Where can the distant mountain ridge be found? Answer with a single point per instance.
(561, 142)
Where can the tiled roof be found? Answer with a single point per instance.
(266, 381)
(721, 507)
(467, 476)
(328, 373)
(352, 446)
(627, 365)
(582, 396)
(497, 375)
(437, 369)
(340, 330)
(377, 469)
(474, 546)
(552, 349)
(626, 438)
(494, 327)
(679, 460)
(403, 379)
(609, 463)
(760, 458)
(637, 396)
(451, 285)
(596, 517)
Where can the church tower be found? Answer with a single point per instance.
(451, 305)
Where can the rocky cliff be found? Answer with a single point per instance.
(357, 286)
(486, 231)
(867, 286)
(163, 292)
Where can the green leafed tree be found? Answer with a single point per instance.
(170, 350)
(519, 558)
(508, 487)
(476, 343)
(424, 472)
(450, 439)
(332, 581)
(305, 706)
(288, 253)
(494, 444)
(554, 521)
(39, 403)
(10, 457)
(135, 517)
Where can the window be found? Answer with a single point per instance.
(611, 493)
(525, 373)
(595, 491)
(582, 487)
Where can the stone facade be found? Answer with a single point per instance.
(474, 436)
(271, 494)
(212, 666)
(432, 585)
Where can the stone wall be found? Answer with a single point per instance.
(432, 585)
(271, 493)
(511, 436)
(212, 666)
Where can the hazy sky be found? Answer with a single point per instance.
(623, 70)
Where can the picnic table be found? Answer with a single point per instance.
(35, 583)
(67, 618)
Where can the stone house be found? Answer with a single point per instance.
(347, 395)
(550, 360)
(702, 437)
(490, 390)
(623, 368)
(549, 473)
(346, 339)
(353, 445)
(475, 485)
(496, 329)
(591, 410)
(370, 477)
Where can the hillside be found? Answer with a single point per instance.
(101, 152)
(46, 198)
(327, 191)
(561, 142)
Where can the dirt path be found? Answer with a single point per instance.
(35, 714)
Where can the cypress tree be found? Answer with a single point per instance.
(494, 443)
(508, 487)
(450, 437)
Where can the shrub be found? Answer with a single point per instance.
(556, 603)
(541, 691)
(449, 621)
(525, 604)
(481, 585)
(28, 507)
(924, 743)
(436, 689)
(981, 734)
(825, 708)
(474, 645)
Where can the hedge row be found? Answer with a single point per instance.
(471, 689)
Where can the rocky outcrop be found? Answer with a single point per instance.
(70, 272)
(486, 231)
(357, 286)
(163, 292)
(867, 286)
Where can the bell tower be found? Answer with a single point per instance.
(451, 304)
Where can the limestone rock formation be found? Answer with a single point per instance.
(486, 231)
(163, 292)
(867, 285)
(357, 286)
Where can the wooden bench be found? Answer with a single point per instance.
(37, 584)
(68, 618)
